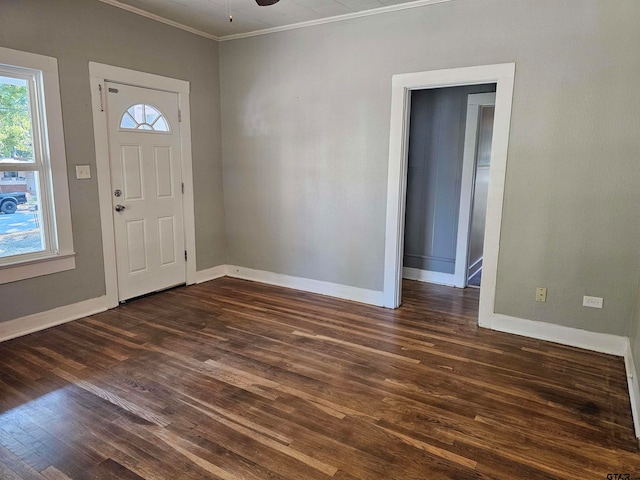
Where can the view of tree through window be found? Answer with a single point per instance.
(21, 229)
(15, 121)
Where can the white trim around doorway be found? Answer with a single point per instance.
(467, 186)
(402, 84)
(99, 73)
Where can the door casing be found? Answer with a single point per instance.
(467, 190)
(503, 76)
(99, 73)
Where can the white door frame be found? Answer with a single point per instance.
(467, 190)
(501, 74)
(99, 73)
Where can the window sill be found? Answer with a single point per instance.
(37, 267)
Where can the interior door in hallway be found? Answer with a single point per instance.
(145, 163)
(480, 119)
(439, 184)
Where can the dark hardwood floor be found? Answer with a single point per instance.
(237, 380)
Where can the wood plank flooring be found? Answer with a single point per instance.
(237, 380)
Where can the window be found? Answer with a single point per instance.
(35, 221)
(144, 117)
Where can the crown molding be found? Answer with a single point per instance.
(158, 18)
(284, 28)
(338, 18)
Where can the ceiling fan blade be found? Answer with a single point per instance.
(265, 3)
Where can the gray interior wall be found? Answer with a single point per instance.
(306, 141)
(79, 31)
(434, 172)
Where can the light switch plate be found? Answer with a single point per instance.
(83, 172)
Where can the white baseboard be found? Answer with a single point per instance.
(634, 388)
(574, 337)
(50, 318)
(211, 273)
(356, 294)
(438, 278)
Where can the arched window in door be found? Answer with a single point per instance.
(144, 117)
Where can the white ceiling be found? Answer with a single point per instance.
(210, 17)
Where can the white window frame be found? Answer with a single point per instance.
(49, 137)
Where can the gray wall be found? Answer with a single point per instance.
(305, 147)
(436, 150)
(79, 31)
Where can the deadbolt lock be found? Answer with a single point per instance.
(117, 193)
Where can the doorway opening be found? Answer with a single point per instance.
(449, 154)
(502, 75)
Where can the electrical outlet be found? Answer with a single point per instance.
(541, 294)
(593, 302)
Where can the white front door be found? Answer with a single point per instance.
(144, 154)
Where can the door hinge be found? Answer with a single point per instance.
(183, 188)
(185, 255)
(180, 116)
(101, 98)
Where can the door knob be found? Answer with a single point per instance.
(120, 208)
